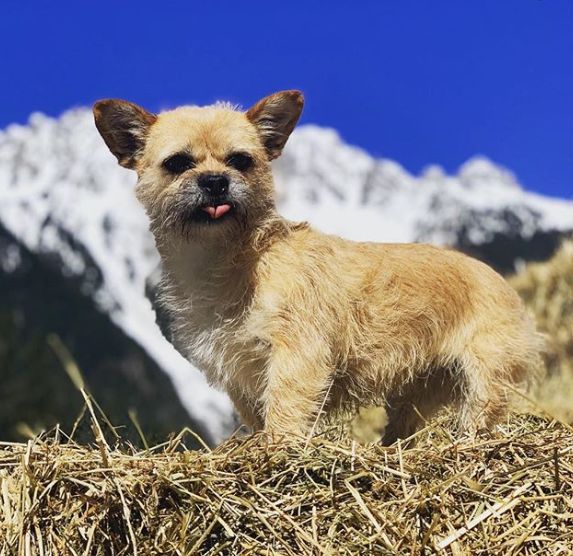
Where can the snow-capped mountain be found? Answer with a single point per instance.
(343, 190)
(63, 194)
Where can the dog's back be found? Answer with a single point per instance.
(402, 324)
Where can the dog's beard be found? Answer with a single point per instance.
(189, 221)
(184, 216)
(177, 217)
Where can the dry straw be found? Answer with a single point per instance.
(506, 492)
(547, 289)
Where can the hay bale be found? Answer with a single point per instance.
(510, 490)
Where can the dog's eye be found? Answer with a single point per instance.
(240, 161)
(178, 163)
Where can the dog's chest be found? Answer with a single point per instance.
(220, 340)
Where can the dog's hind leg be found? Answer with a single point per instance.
(503, 351)
(483, 398)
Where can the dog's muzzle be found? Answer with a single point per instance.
(215, 189)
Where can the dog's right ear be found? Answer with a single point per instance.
(124, 127)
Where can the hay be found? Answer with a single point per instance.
(510, 491)
(547, 289)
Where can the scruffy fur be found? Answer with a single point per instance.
(290, 321)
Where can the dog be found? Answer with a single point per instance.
(293, 323)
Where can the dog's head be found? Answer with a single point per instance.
(205, 171)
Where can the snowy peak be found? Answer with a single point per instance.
(365, 198)
(478, 172)
(317, 164)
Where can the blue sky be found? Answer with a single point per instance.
(419, 81)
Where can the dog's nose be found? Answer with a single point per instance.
(216, 185)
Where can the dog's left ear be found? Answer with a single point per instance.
(275, 117)
(124, 127)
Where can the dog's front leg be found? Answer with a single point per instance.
(298, 378)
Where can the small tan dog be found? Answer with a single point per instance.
(292, 322)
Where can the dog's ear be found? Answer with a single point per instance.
(275, 117)
(124, 127)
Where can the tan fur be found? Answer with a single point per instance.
(288, 320)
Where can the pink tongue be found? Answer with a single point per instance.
(218, 211)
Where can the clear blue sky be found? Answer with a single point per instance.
(419, 81)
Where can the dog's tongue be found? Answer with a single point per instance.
(218, 211)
